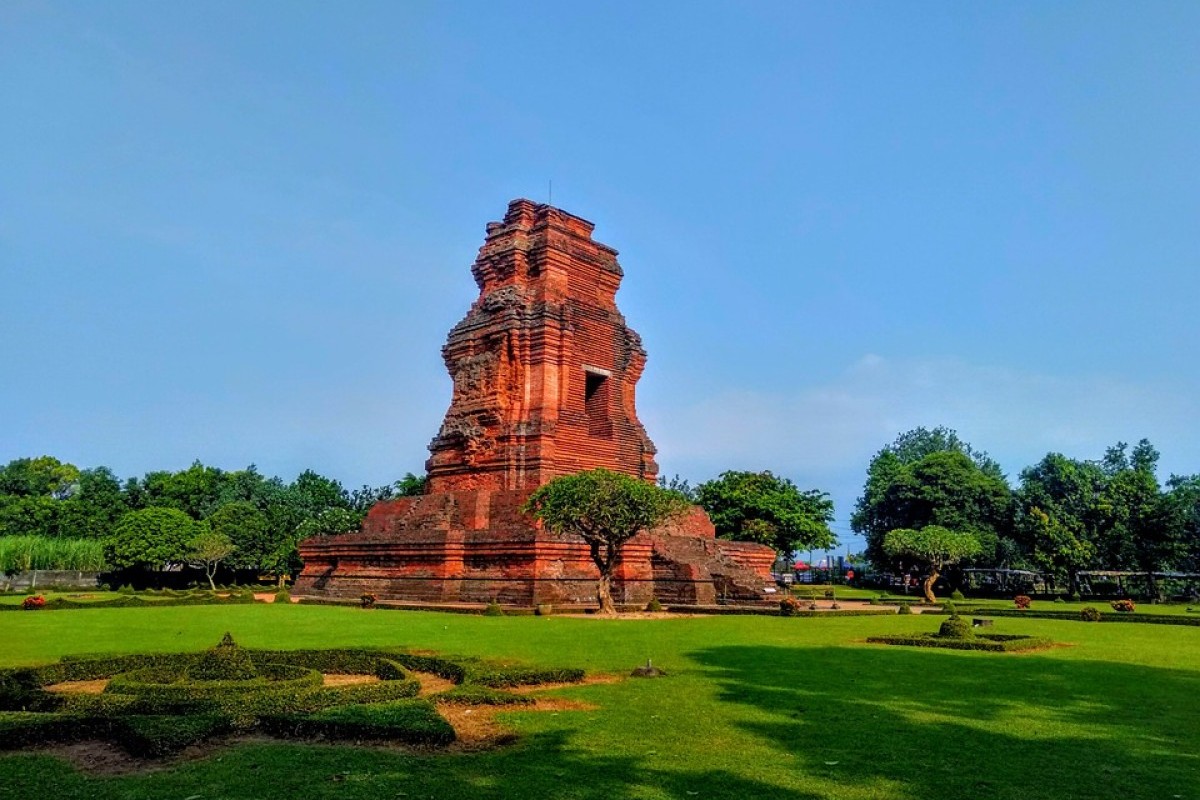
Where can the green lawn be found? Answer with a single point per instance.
(754, 707)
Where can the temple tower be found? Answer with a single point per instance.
(544, 366)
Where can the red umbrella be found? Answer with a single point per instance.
(800, 565)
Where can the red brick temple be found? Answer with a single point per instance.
(545, 371)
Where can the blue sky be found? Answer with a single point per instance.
(240, 231)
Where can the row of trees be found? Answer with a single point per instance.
(1064, 516)
(186, 516)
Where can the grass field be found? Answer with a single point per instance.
(754, 707)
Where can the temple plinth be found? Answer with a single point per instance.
(544, 371)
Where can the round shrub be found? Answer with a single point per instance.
(957, 595)
(493, 610)
(1022, 601)
(33, 603)
(282, 595)
(1076, 597)
(905, 608)
(1123, 606)
(788, 606)
(956, 628)
(1059, 600)
(1089, 614)
(654, 606)
(949, 609)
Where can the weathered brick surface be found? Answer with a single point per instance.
(544, 371)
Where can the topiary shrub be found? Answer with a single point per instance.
(225, 662)
(493, 609)
(1076, 597)
(1123, 606)
(1022, 601)
(654, 606)
(788, 606)
(34, 603)
(1089, 614)
(905, 608)
(282, 595)
(956, 628)
(367, 600)
(949, 608)
(957, 595)
(1059, 600)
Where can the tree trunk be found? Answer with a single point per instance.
(605, 564)
(928, 585)
(604, 594)
(209, 573)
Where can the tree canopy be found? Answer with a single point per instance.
(933, 478)
(762, 507)
(152, 538)
(932, 547)
(606, 509)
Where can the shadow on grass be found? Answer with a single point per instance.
(546, 765)
(932, 724)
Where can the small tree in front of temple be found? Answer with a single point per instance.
(934, 547)
(606, 509)
(209, 549)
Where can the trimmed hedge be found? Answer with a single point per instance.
(1147, 619)
(134, 601)
(155, 736)
(442, 667)
(472, 694)
(153, 706)
(499, 677)
(410, 721)
(989, 642)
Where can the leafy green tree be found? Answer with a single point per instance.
(92, 511)
(152, 538)
(680, 486)
(606, 509)
(330, 522)
(764, 508)
(249, 531)
(912, 484)
(208, 550)
(1182, 505)
(30, 515)
(1058, 546)
(411, 485)
(44, 476)
(1138, 532)
(932, 547)
(1060, 514)
(196, 490)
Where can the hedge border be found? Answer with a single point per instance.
(985, 642)
(1073, 616)
(153, 719)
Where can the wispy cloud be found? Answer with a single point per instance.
(824, 435)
